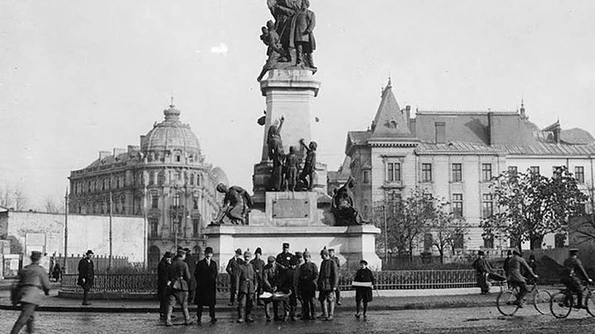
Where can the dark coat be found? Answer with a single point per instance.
(179, 269)
(364, 293)
(573, 267)
(289, 281)
(206, 283)
(33, 279)
(328, 278)
(258, 266)
(162, 274)
(515, 265)
(87, 271)
(308, 275)
(269, 277)
(283, 259)
(191, 266)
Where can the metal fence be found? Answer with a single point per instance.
(385, 280)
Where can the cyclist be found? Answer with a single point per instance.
(573, 275)
(515, 278)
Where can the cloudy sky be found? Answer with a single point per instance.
(77, 77)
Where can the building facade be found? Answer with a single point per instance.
(454, 155)
(165, 179)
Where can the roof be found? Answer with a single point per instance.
(554, 149)
(457, 148)
(390, 121)
(576, 136)
(170, 134)
(110, 159)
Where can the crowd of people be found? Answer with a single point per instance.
(285, 285)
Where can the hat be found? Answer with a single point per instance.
(516, 252)
(181, 251)
(306, 253)
(324, 252)
(363, 262)
(285, 245)
(209, 250)
(258, 251)
(89, 252)
(331, 249)
(573, 250)
(35, 256)
(509, 252)
(180, 248)
(239, 251)
(480, 252)
(247, 253)
(167, 255)
(299, 255)
(187, 250)
(271, 259)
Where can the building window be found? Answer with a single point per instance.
(487, 205)
(426, 172)
(178, 158)
(457, 172)
(579, 174)
(178, 175)
(195, 202)
(195, 226)
(153, 227)
(151, 178)
(161, 178)
(191, 179)
(154, 201)
(459, 241)
(457, 205)
(534, 170)
(486, 172)
(428, 241)
(366, 176)
(393, 173)
(176, 201)
(488, 241)
(198, 179)
(512, 170)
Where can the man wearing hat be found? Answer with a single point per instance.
(231, 270)
(179, 278)
(258, 266)
(573, 275)
(484, 270)
(331, 252)
(328, 283)
(86, 277)
(284, 257)
(245, 279)
(307, 277)
(270, 279)
(515, 278)
(205, 274)
(162, 290)
(32, 279)
(191, 266)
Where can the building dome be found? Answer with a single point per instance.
(220, 176)
(171, 134)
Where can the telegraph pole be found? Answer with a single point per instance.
(385, 235)
(65, 229)
(109, 266)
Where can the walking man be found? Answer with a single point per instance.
(32, 279)
(205, 274)
(328, 281)
(179, 278)
(231, 270)
(334, 257)
(246, 284)
(86, 277)
(162, 288)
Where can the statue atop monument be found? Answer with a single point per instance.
(276, 154)
(290, 39)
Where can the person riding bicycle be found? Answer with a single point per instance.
(515, 277)
(573, 275)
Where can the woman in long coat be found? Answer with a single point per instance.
(205, 273)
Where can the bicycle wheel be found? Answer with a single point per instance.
(541, 301)
(559, 306)
(506, 302)
(590, 304)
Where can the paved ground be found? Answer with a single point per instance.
(452, 321)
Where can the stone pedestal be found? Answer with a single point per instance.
(352, 243)
(285, 208)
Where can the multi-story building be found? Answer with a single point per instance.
(454, 155)
(164, 179)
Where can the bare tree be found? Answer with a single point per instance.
(52, 206)
(21, 201)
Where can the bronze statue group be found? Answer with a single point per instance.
(279, 285)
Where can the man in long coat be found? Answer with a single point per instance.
(162, 289)
(86, 277)
(246, 284)
(328, 283)
(231, 270)
(205, 274)
(191, 262)
(32, 279)
(307, 278)
(179, 278)
(258, 266)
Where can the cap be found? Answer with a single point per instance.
(299, 255)
(285, 245)
(363, 262)
(331, 249)
(209, 250)
(187, 250)
(247, 253)
(271, 259)
(89, 252)
(480, 252)
(306, 253)
(239, 251)
(324, 252)
(509, 252)
(167, 255)
(180, 248)
(573, 250)
(35, 256)
(516, 252)
(181, 251)
(258, 251)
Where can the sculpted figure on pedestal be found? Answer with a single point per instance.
(309, 171)
(276, 154)
(236, 205)
(343, 205)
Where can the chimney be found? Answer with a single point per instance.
(556, 132)
(118, 151)
(440, 132)
(133, 148)
(103, 154)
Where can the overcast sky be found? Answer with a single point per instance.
(77, 77)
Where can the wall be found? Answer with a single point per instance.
(45, 232)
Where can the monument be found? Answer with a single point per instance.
(290, 203)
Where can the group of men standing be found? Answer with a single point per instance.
(282, 282)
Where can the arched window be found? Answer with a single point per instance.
(191, 179)
(176, 201)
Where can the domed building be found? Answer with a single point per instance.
(165, 179)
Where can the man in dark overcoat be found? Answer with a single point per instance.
(328, 282)
(32, 279)
(162, 289)
(246, 284)
(334, 257)
(205, 274)
(307, 278)
(258, 266)
(191, 262)
(231, 270)
(516, 278)
(86, 277)
(573, 276)
(178, 278)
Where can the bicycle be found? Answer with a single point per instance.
(506, 300)
(562, 302)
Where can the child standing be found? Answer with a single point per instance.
(364, 282)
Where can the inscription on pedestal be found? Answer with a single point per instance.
(291, 208)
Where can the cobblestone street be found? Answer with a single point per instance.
(460, 320)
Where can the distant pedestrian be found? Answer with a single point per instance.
(334, 257)
(32, 279)
(532, 263)
(191, 262)
(258, 266)
(231, 269)
(86, 277)
(179, 278)
(364, 283)
(246, 285)
(57, 273)
(308, 276)
(162, 280)
(328, 281)
(205, 274)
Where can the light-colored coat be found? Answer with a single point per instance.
(33, 279)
